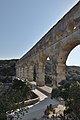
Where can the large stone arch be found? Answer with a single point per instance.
(66, 48)
(43, 62)
(30, 70)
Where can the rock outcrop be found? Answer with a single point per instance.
(73, 72)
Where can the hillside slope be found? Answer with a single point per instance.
(7, 69)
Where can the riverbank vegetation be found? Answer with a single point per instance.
(12, 92)
(69, 90)
(15, 93)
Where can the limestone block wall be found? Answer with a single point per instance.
(56, 44)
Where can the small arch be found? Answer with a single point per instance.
(48, 58)
(71, 26)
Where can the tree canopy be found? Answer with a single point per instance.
(69, 90)
(17, 92)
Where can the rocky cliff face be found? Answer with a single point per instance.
(73, 72)
(7, 70)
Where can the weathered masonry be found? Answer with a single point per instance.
(55, 45)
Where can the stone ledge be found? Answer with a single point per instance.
(30, 102)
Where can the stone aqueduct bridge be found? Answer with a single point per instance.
(56, 44)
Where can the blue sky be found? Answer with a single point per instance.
(74, 57)
(24, 22)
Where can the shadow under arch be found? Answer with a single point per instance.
(46, 61)
(48, 71)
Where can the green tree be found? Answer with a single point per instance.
(16, 93)
(70, 92)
